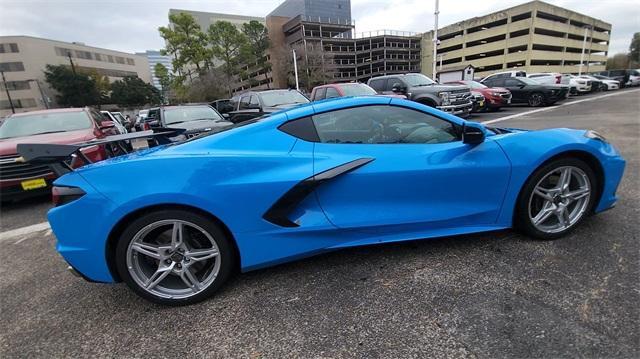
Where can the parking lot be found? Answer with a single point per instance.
(496, 294)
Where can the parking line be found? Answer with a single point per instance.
(24, 231)
(555, 107)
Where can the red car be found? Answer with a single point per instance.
(60, 126)
(495, 97)
(344, 89)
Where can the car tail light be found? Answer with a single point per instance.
(63, 195)
(145, 126)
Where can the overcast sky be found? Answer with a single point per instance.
(133, 25)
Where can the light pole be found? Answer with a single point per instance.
(6, 88)
(435, 39)
(295, 68)
(44, 99)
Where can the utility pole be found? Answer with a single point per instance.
(6, 88)
(44, 99)
(584, 44)
(73, 68)
(295, 68)
(435, 39)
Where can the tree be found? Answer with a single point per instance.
(102, 84)
(313, 69)
(634, 49)
(132, 91)
(74, 89)
(618, 61)
(255, 49)
(226, 41)
(186, 44)
(207, 87)
(162, 73)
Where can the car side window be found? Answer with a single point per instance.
(390, 82)
(511, 82)
(377, 85)
(153, 115)
(332, 93)
(383, 124)
(244, 102)
(319, 95)
(254, 102)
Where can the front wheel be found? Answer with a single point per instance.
(556, 198)
(536, 99)
(174, 257)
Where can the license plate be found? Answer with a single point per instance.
(33, 184)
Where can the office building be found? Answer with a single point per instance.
(23, 60)
(155, 57)
(313, 10)
(205, 19)
(535, 37)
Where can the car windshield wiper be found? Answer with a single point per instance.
(286, 103)
(44, 133)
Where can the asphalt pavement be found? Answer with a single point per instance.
(494, 295)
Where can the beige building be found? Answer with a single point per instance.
(204, 19)
(23, 60)
(535, 37)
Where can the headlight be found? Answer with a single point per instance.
(445, 98)
(595, 135)
(496, 94)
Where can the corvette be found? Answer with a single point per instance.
(319, 177)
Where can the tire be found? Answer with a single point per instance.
(168, 250)
(531, 206)
(536, 99)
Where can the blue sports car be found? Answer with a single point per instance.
(315, 178)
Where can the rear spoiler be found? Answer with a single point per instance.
(61, 158)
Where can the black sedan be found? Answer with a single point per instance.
(526, 90)
(258, 103)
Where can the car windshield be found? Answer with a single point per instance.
(286, 97)
(119, 117)
(475, 85)
(190, 113)
(28, 125)
(418, 80)
(357, 90)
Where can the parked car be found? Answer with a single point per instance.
(141, 117)
(529, 91)
(550, 78)
(634, 78)
(123, 120)
(597, 85)
(118, 121)
(611, 84)
(624, 76)
(324, 176)
(196, 119)
(254, 104)
(223, 106)
(505, 74)
(579, 85)
(454, 99)
(59, 126)
(495, 97)
(344, 89)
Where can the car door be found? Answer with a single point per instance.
(413, 173)
(518, 89)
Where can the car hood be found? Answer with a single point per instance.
(200, 124)
(8, 146)
(286, 106)
(437, 88)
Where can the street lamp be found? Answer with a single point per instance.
(6, 88)
(44, 99)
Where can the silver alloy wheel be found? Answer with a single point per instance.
(173, 259)
(535, 99)
(559, 199)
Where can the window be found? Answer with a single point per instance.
(120, 60)
(254, 102)
(130, 62)
(244, 102)
(511, 82)
(11, 66)
(190, 113)
(97, 56)
(16, 85)
(332, 93)
(377, 84)
(62, 51)
(357, 90)
(383, 125)
(282, 97)
(392, 81)
(320, 94)
(27, 125)
(8, 47)
(110, 58)
(84, 55)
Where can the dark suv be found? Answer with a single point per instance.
(195, 119)
(254, 104)
(454, 99)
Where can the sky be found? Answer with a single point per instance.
(132, 26)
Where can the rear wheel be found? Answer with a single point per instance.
(174, 257)
(536, 99)
(556, 198)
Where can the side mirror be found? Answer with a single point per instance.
(398, 87)
(106, 124)
(225, 116)
(472, 134)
